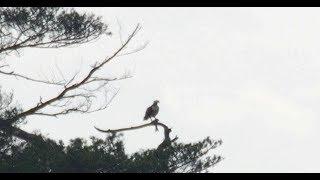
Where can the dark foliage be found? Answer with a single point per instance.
(105, 156)
(46, 27)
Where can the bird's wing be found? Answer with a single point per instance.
(156, 110)
(148, 112)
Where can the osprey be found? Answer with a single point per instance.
(152, 111)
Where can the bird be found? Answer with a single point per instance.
(152, 111)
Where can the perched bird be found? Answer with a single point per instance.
(152, 111)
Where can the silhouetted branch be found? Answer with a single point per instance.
(166, 142)
(86, 80)
(31, 79)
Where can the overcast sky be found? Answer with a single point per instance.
(248, 76)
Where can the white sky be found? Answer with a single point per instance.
(248, 76)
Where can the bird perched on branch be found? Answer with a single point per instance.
(152, 111)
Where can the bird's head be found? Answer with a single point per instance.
(155, 102)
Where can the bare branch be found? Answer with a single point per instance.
(166, 142)
(70, 81)
(135, 50)
(120, 34)
(74, 86)
(96, 79)
(64, 112)
(59, 83)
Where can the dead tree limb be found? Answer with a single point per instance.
(74, 96)
(166, 142)
(84, 81)
(12, 73)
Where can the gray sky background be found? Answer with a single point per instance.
(248, 76)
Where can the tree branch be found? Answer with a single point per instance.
(74, 86)
(30, 79)
(166, 142)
